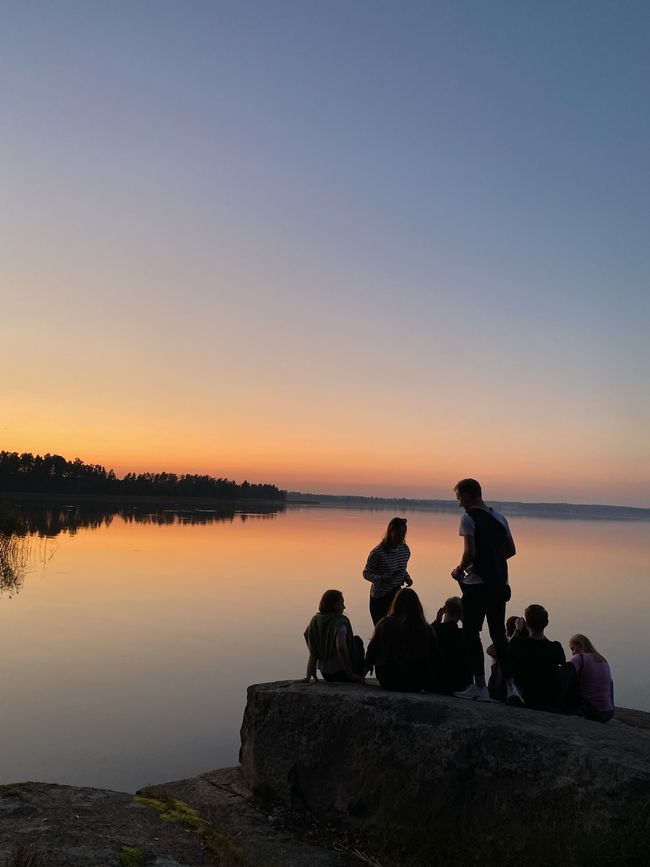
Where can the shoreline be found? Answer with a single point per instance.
(135, 500)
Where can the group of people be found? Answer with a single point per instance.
(408, 653)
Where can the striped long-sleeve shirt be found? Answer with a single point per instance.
(383, 561)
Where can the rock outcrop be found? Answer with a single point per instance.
(368, 757)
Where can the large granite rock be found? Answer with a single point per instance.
(369, 757)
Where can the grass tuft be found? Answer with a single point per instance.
(25, 855)
(131, 857)
(222, 850)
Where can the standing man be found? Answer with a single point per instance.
(483, 577)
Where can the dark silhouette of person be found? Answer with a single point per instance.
(483, 577)
(455, 671)
(333, 647)
(386, 568)
(403, 647)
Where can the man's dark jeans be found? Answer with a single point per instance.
(480, 602)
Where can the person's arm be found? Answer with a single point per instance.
(311, 671)
(344, 656)
(371, 573)
(510, 547)
(469, 555)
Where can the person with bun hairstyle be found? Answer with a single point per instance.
(594, 679)
(386, 568)
(456, 673)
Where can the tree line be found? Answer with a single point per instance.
(27, 473)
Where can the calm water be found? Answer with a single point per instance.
(127, 651)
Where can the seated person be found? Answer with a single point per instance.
(536, 660)
(497, 686)
(455, 674)
(594, 680)
(403, 648)
(333, 647)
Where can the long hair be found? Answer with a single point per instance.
(411, 632)
(393, 524)
(587, 646)
(330, 601)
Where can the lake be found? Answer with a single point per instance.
(127, 650)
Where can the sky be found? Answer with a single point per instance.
(345, 247)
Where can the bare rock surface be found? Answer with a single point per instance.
(84, 827)
(318, 759)
(368, 757)
(80, 827)
(223, 797)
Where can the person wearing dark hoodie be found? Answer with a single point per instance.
(536, 661)
(455, 673)
(333, 648)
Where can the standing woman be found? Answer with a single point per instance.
(595, 685)
(386, 568)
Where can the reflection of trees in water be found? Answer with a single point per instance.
(50, 519)
(15, 548)
(20, 523)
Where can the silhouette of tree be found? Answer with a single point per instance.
(54, 474)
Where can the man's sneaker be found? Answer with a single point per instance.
(474, 693)
(514, 697)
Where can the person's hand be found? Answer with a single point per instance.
(440, 614)
(408, 581)
(385, 578)
(306, 679)
(456, 573)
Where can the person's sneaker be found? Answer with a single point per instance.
(514, 697)
(474, 693)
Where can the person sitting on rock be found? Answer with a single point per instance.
(536, 660)
(403, 649)
(594, 680)
(454, 666)
(333, 647)
(497, 686)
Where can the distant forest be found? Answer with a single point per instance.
(52, 474)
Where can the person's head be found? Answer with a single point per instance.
(454, 609)
(468, 493)
(579, 643)
(331, 602)
(536, 617)
(406, 607)
(511, 625)
(395, 532)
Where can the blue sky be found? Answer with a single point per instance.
(359, 246)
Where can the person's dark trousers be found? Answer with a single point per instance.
(380, 605)
(358, 660)
(481, 602)
(402, 677)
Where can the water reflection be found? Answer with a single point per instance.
(14, 551)
(20, 522)
(126, 655)
(49, 519)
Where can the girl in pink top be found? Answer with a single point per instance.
(594, 679)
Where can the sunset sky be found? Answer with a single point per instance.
(351, 246)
